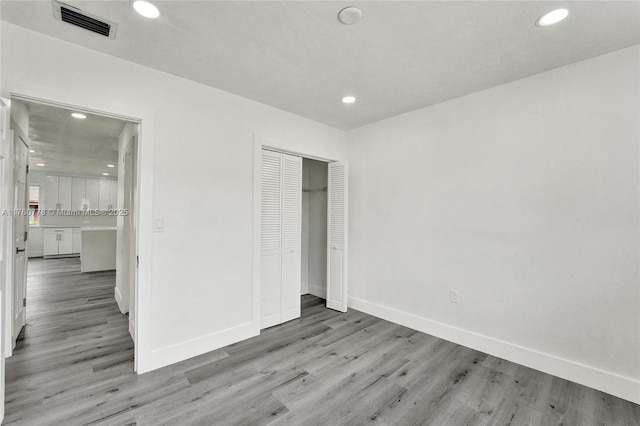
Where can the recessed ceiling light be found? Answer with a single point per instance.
(146, 9)
(552, 17)
(350, 15)
(32, 150)
(348, 99)
(40, 164)
(110, 165)
(105, 174)
(78, 115)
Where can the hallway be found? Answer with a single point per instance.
(75, 340)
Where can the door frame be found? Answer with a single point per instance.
(261, 142)
(142, 237)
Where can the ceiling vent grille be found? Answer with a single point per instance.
(82, 19)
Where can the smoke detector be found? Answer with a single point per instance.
(350, 15)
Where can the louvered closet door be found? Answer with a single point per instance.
(270, 239)
(291, 237)
(337, 217)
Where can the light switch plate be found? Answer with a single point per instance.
(158, 225)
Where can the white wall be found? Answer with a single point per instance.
(195, 165)
(525, 199)
(20, 114)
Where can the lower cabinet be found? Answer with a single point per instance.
(60, 241)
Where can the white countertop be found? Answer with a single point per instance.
(98, 228)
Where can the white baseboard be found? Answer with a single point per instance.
(317, 290)
(200, 345)
(119, 301)
(605, 381)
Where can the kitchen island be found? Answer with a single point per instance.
(98, 248)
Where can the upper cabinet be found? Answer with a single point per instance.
(93, 193)
(108, 194)
(78, 193)
(57, 193)
(105, 195)
(114, 194)
(50, 193)
(64, 192)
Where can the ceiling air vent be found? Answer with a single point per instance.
(82, 19)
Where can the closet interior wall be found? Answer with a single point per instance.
(314, 227)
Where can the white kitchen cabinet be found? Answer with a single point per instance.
(58, 241)
(50, 242)
(108, 194)
(64, 192)
(57, 193)
(76, 243)
(105, 194)
(78, 193)
(78, 189)
(113, 203)
(50, 194)
(65, 243)
(92, 193)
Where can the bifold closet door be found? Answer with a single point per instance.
(270, 239)
(337, 243)
(280, 270)
(291, 237)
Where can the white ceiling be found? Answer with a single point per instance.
(66, 145)
(296, 56)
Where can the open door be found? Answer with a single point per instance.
(337, 217)
(130, 263)
(20, 222)
(5, 140)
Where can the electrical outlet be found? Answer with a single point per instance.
(453, 296)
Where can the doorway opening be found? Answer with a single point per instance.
(73, 256)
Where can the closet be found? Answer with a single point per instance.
(303, 234)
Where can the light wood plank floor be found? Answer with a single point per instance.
(74, 366)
